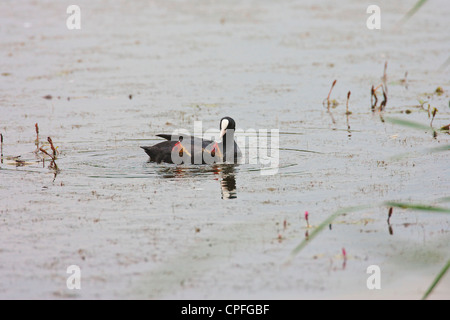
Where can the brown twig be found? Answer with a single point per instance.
(391, 231)
(383, 86)
(329, 93)
(45, 152)
(384, 102)
(390, 215)
(372, 97)
(384, 79)
(37, 137)
(1, 147)
(51, 146)
(19, 163)
(53, 163)
(329, 102)
(446, 128)
(433, 114)
(348, 126)
(348, 98)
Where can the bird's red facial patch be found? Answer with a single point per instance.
(215, 150)
(177, 146)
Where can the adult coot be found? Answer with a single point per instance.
(187, 149)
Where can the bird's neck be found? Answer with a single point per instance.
(228, 140)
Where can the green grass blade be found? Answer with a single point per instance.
(445, 64)
(323, 225)
(413, 10)
(332, 217)
(419, 153)
(419, 126)
(444, 199)
(440, 149)
(419, 207)
(407, 123)
(436, 280)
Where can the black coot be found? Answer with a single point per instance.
(195, 150)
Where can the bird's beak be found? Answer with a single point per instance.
(223, 128)
(222, 133)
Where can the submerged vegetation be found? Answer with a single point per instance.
(390, 204)
(437, 280)
(373, 93)
(41, 148)
(42, 151)
(413, 10)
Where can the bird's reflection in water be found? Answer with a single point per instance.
(226, 173)
(228, 181)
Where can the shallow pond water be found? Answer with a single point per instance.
(144, 230)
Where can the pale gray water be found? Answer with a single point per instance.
(142, 230)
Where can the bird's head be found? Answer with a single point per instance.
(226, 123)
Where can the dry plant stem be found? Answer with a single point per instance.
(331, 115)
(371, 98)
(329, 93)
(53, 163)
(1, 148)
(348, 126)
(384, 102)
(37, 137)
(433, 114)
(384, 79)
(348, 98)
(52, 146)
(331, 89)
(45, 152)
(390, 215)
(54, 166)
(374, 95)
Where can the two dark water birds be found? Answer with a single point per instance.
(187, 149)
